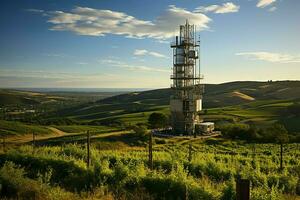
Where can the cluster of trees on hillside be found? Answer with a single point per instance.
(275, 133)
(294, 109)
(250, 133)
(155, 120)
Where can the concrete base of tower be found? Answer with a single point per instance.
(180, 126)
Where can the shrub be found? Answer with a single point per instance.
(157, 120)
(16, 185)
(140, 131)
(264, 193)
(228, 192)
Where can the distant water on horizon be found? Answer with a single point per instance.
(82, 89)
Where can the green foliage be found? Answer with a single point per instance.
(15, 185)
(209, 175)
(17, 128)
(141, 131)
(254, 134)
(237, 131)
(294, 109)
(280, 133)
(157, 120)
(229, 191)
(265, 193)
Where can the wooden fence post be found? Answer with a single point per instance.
(88, 138)
(3, 144)
(281, 156)
(242, 189)
(190, 153)
(33, 142)
(150, 151)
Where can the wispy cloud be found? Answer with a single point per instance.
(143, 52)
(98, 22)
(132, 67)
(163, 41)
(264, 3)
(271, 57)
(19, 73)
(57, 78)
(143, 68)
(140, 52)
(111, 61)
(59, 55)
(272, 9)
(47, 78)
(228, 7)
(82, 63)
(35, 10)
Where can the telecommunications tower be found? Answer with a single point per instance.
(186, 101)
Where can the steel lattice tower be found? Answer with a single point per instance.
(187, 99)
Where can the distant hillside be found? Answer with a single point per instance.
(15, 98)
(217, 95)
(23, 98)
(135, 107)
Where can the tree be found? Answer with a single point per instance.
(294, 109)
(157, 120)
(281, 137)
(140, 131)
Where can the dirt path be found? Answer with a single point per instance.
(110, 134)
(29, 137)
(56, 133)
(186, 137)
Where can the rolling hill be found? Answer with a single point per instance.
(248, 101)
(243, 102)
(8, 98)
(216, 95)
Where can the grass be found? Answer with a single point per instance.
(10, 128)
(84, 128)
(260, 113)
(215, 164)
(119, 158)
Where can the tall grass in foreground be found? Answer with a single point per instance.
(59, 172)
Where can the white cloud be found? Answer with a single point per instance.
(57, 75)
(272, 9)
(35, 10)
(228, 7)
(82, 63)
(133, 67)
(143, 68)
(140, 52)
(163, 41)
(56, 78)
(97, 22)
(264, 3)
(56, 55)
(271, 57)
(111, 61)
(143, 52)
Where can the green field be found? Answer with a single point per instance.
(82, 128)
(183, 168)
(10, 128)
(122, 172)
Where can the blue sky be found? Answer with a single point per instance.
(125, 44)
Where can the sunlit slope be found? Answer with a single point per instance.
(236, 101)
(9, 98)
(26, 98)
(14, 97)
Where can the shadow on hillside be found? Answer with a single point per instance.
(128, 139)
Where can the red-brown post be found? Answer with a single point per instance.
(150, 151)
(242, 189)
(88, 138)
